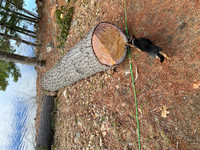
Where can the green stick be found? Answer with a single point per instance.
(136, 105)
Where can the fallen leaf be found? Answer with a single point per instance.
(164, 112)
(117, 86)
(104, 133)
(196, 85)
(104, 128)
(61, 16)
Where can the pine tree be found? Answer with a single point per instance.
(7, 69)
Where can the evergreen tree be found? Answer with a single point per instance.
(14, 20)
(13, 23)
(7, 69)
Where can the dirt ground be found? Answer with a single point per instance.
(99, 112)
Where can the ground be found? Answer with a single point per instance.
(99, 112)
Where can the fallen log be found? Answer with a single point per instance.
(103, 47)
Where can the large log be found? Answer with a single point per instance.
(103, 47)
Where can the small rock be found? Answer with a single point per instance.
(127, 72)
(77, 137)
(130, 144)
(79, 123)
(49, 47)
(74, 22)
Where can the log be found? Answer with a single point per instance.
(103, 47)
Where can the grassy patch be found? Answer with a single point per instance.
(53, 122)
(42, 148)
(64, 18)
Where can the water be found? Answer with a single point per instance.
(18, 104)
(19, 129)
(17, 112)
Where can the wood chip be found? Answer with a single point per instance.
(164, 112)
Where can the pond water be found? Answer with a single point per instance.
(18, 103)
(17, 112)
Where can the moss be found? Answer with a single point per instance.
(165, 138)
(103, 118)
(53, 121)
(64, 23)
(81, 34)
(42, 148)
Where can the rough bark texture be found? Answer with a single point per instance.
(8, 57)
(78, 63)
(44, 138)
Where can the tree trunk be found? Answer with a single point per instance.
(25, 33)
(17, 13)
(18, 29)
(27, 19)
(22, 9)
(8, 57)
(21, 17)
(22, 32)
(19, 40)
(96, 52)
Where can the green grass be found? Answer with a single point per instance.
(64, 23)
(42, 148)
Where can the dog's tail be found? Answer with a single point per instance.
(161, 57)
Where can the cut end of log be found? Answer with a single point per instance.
(109, 44)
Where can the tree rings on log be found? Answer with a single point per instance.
(101, 48)
(109, 44)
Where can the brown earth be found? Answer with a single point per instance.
(99, 112)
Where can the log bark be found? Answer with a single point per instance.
(81, 61)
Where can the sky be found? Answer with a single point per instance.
(18, 104)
